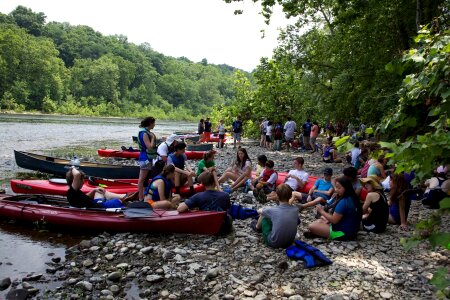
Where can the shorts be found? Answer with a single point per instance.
(266, 228)
(370, 227)
(112, 203)
(313, 140)
(237, 136)
(221, 136)
(269, 138)
(145, 165)
(336, 235)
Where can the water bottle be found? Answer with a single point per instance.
(75, 161)
(247, 185)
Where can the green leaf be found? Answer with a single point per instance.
(445, 203)
(440, 279)
(369, 130)
(440, 239)
(341, 141)
(408, 244)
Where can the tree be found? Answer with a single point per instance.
(25, 18)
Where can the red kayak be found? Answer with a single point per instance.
(59, 186)
(54, 211)
(135, 153)
(305, 189)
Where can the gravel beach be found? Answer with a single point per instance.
(239, 265)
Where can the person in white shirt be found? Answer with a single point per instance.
(353, 154)
(295, 179)
(269, 135)
(289, 131)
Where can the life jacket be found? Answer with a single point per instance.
(266, 175)
(146, 154)
(152, 190)
(178, 161)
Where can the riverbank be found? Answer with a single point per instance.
(239, 266)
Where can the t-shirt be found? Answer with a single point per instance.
(322, 185)
(170, 160)
(207, 126)
(258, 170)
(284, 224)
(307, 129)
(314, 131)
(247, 165)
(349, 224)
(272, 179)
(269, 130)
(221, 129)
(237, 126)
(204, 164)
(293, 182)
(163, 150)
(209, 200)
(79, 199)
(289, 129)
(355, 153)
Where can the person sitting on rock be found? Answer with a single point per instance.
(278, 224)
(183, 172)
(209, 200)
(265, 183)
(96, 198)
(343, 222)
(399, 201)
(375, 207)
(330, 154)
(208, 165)
(295, 179)
(320, 193)
(377, 168)
(261, 164)
(239, 171)
(159, 192)
(352, 174)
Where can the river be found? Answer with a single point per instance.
(24, 250)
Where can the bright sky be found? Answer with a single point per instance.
(195, 29)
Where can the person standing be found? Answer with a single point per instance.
(262, 130)
(201, 128)
(147, 148)
(221, 130)
(207, 132)
(306, 133)
(289, 131)
(313, 136)
(237, 131)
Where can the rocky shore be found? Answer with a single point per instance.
(240, 266)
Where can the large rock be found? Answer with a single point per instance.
(154, 278)
(17, 294)
(5, 283)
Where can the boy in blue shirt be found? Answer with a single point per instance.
(320, 193)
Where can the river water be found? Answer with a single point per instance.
(24, 249)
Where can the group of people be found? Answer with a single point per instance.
(204, 129)
(344, 205)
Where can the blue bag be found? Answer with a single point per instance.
(239, 212)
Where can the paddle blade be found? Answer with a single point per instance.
(137, 212)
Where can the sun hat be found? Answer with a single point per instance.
(171, 138)
(374, 181)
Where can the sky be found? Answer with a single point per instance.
(195, 29)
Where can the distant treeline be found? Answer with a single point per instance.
(59, 68)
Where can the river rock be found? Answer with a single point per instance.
(87, 286)
(146, 250)
(17, 294)
(5, 283)
(115, 276)
(88, 263)
(154, 278)
(386, 295)
(32, 277)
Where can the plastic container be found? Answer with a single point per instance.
(75, 161)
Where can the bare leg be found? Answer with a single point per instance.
(239, 183)
(228, 175)
(320, 228)
(142, 175)
(109, 195)
(216, 181)
(258, 225)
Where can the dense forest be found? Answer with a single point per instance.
(59, 68)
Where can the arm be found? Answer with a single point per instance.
(367, 202)
(76, 183)
(149, 143)
(333, 219)
(182, 208)
(327, 192)
(161, 192)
